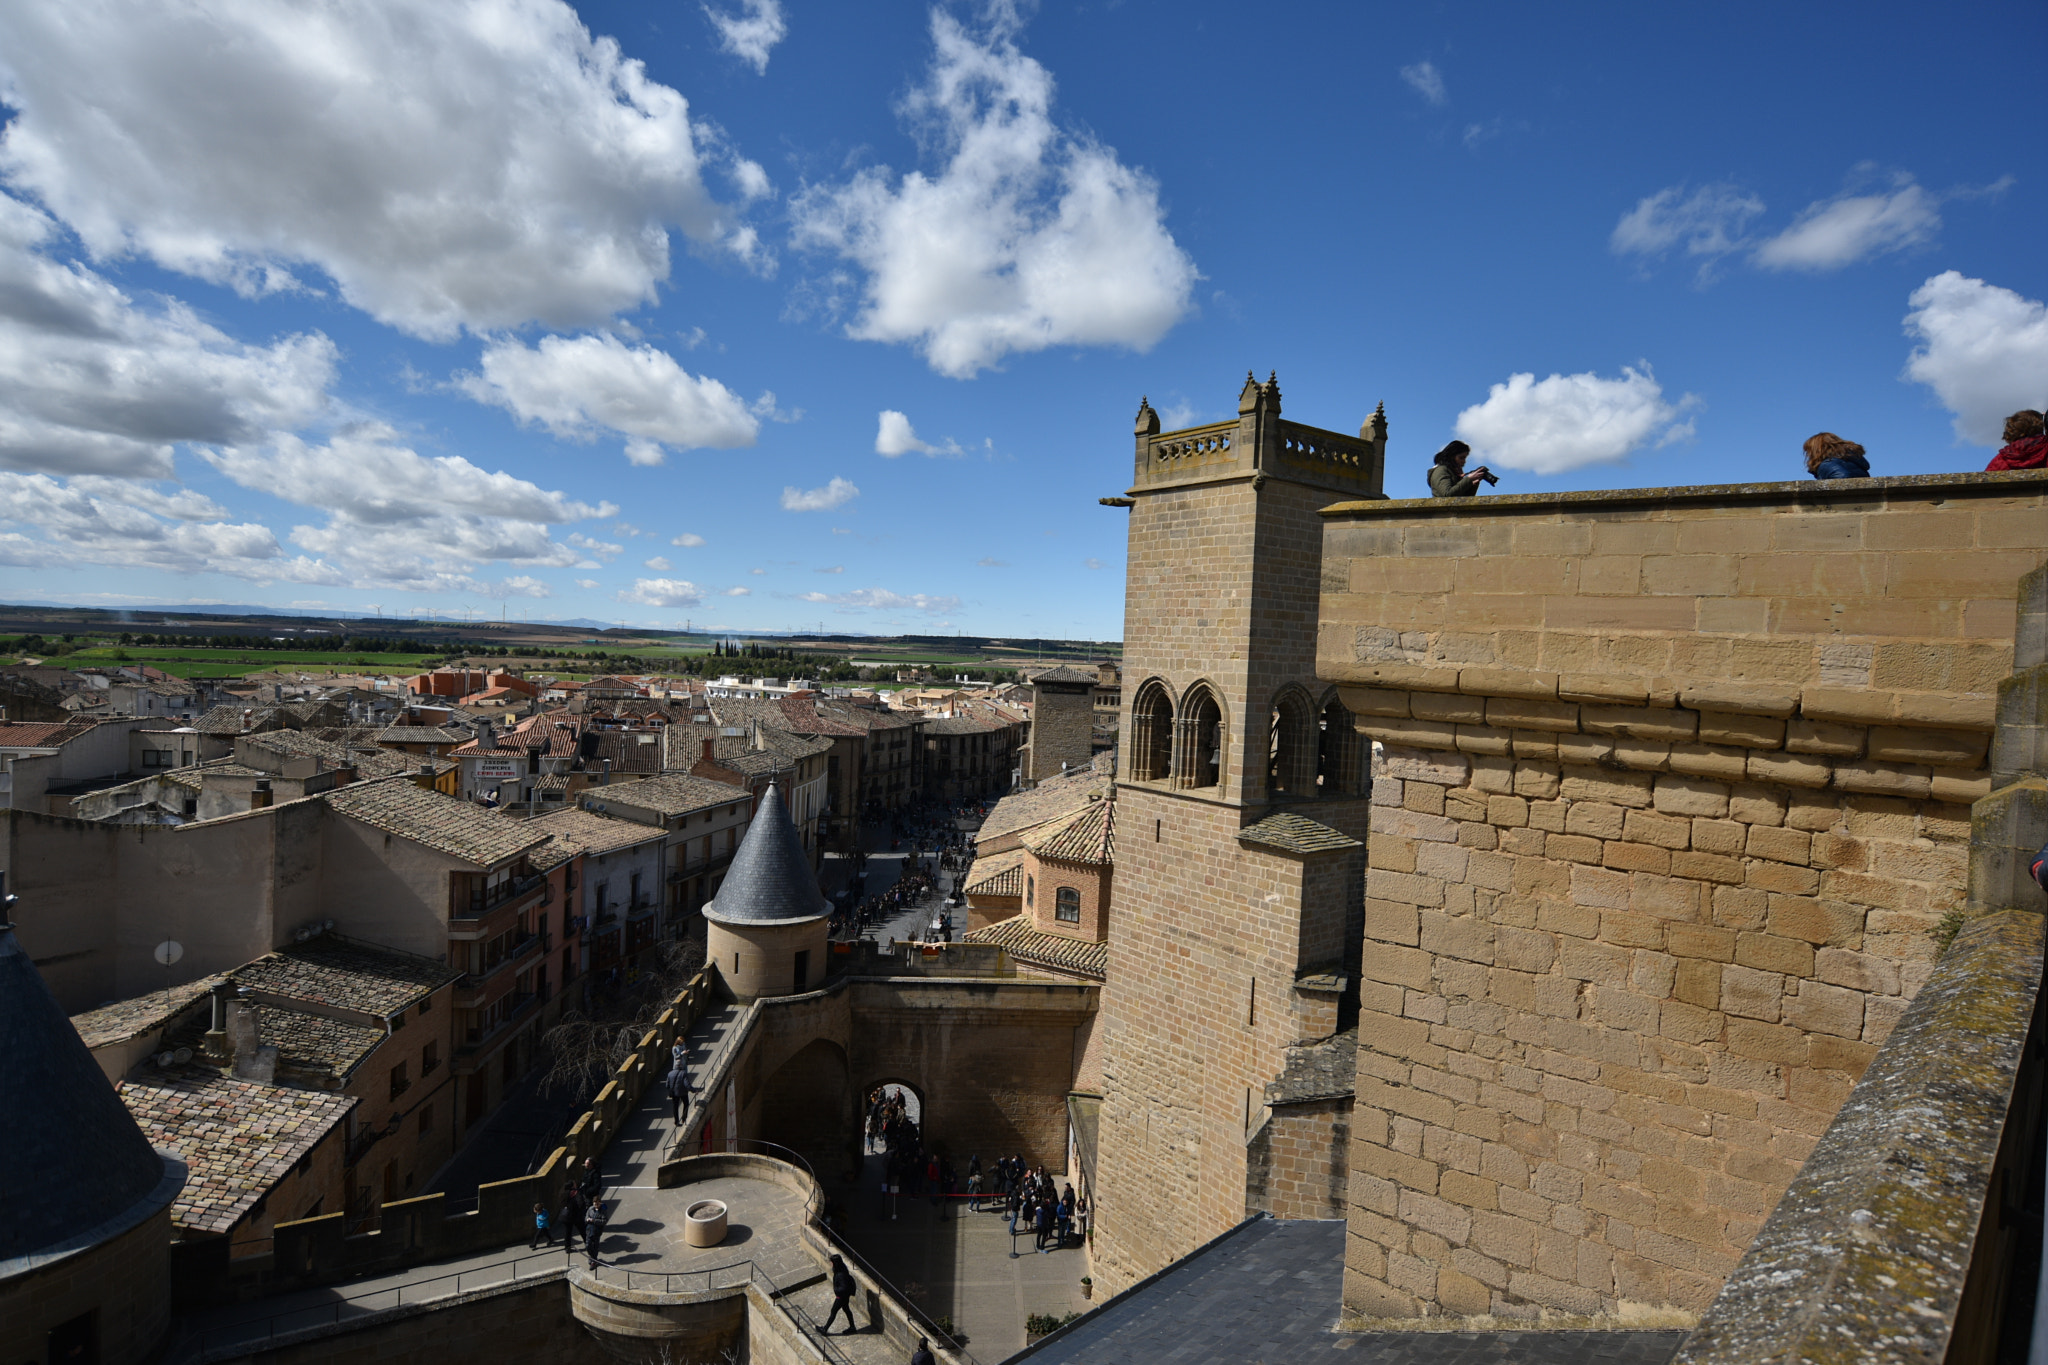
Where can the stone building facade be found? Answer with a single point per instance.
(1062, 723)
(1239, 816)
(1674, 798)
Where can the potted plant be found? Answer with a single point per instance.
(1087, 1287)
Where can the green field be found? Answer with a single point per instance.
(233, 663)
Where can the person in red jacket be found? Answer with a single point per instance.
(2025, 445)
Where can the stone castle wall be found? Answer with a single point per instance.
(1671, 803)
(1062, 730)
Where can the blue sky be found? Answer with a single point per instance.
(760, 315)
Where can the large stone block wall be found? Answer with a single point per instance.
(1605, 1016)
(1062, 730)
(1198, 1011)
(1671, 800)
(1300, 1159)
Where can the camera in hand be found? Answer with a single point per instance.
(1487, 475)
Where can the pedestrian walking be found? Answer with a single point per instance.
(842, 1295)
(594, 1231)
(574, 1207)
(678, 1084)
(542, 1237)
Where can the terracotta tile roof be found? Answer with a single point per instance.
(554, 853)
(227, 720)
(669, 794)
(1087, 836)
(1032, 945)
(126, 1019)
(471, 833)
(337, 973)
(960, 725)
(191, 777)
(593, 832)
(239, 1138)
(1048, 800)
(999, 874)
(368, 760)
(314, 1042)
(422, 734)
(1293, 833)
(1062, 674)
(41, 734)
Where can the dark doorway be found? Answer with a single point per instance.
(77, 1340)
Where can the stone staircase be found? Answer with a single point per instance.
(863, 1347)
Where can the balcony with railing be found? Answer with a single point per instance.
(510, 1011)
(475, 988)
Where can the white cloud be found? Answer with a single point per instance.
(93, 382)
(663, 592)
(628, 529)
(688, 539)
(757, 571)
(751, 34)
(1091, 563)
(478, 165)
(1711, 222)
(895, 436)
(834, 494)
(586, 583)
(1426, 81)
(740, 592)
(130, 525)
(1027, 237)
(834, 568)
(577, 386)
(519, 585)
(991, 563)
(659, 564)
(884, 599)
(401, 519)
(365, 476)
(1982, 349)
(1565, 422)
(1848, 228)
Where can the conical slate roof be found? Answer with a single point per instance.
(771, 878)
(76, 1161)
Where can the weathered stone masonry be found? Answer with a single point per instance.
(1674, 793)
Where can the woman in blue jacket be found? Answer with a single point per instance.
(1828, 456)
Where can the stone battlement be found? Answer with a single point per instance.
(1673, 798)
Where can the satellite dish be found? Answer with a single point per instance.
(169, 951)
(182, 1055)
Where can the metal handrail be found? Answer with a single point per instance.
(332, 1312)
(924, 1321)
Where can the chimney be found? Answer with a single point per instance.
(707, 750)
(260, 797)
(254, 1059)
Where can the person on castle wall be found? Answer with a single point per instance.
(1828, 456)
(842, 1295)
(1447, 476)
(2026, 445)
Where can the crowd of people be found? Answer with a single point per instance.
(1828, 456)
(936, 845)
(1056, 1218)
(582, 1215)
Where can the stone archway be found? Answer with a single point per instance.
(807, 1104)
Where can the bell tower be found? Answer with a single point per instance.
(1242, 812)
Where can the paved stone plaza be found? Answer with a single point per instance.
(959, 1266)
